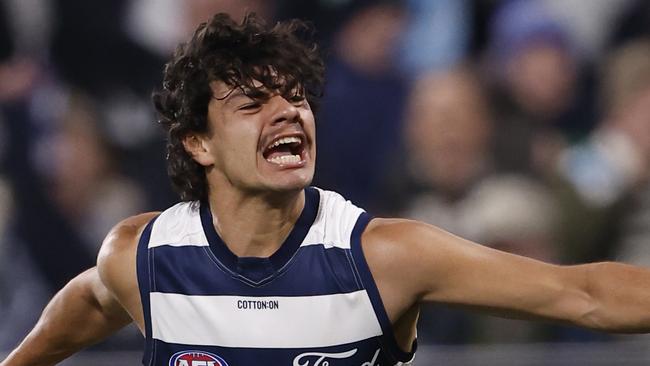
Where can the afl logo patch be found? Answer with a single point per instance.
(196, 358)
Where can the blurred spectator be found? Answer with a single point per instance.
(448, 133)
(610, 170)
(359, 120)
(540, 101)
(160, 25)
(66, 194)
(327, 16)
(120, 71)
(436, 36)
(22, 76)
(93, 52)
(367, 39)
(515, 214)
(23, 289)
(82, 177)
(22, 293)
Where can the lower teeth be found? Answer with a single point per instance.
(285, 159)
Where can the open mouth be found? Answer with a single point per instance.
(285, 150)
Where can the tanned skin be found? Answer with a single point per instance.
(255, 204)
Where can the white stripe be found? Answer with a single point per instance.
(298, 322)
(335, 221)
(179, 225)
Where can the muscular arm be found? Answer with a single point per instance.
(92, 306)
(429, 265)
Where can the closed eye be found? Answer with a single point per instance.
(297, 99)
(250, 106)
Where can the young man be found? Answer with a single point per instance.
(256, 266)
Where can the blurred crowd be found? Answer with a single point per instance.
(523, 125)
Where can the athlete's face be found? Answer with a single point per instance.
(261, 144)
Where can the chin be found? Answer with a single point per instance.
(290, 184)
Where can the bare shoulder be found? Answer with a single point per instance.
(415, 257)
(124, 236)
(389, 229)
(121, 243)
(398, 251)
(406, 259)
(398, 241)
(408, 242)
(116, 262)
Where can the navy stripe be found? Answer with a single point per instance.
(314, 270)
(144, 270)
(365, 351)
(388, 338)
(255, 270)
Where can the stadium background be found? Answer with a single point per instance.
(523, 125)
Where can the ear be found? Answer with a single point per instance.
(197, 147)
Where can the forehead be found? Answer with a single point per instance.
(222, 90)
(219, 88)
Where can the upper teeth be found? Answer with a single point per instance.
(285, 140)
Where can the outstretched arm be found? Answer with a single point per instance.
(429, 265)
(81, 314)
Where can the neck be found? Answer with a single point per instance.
(254, 225)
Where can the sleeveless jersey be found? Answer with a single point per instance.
(312, 303)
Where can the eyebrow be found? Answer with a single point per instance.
(239, 91)
(231, 94)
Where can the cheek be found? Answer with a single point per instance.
(240, 142)
(309, 124)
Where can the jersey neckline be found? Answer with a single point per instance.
(259, 270)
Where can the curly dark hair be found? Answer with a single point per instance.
(282, 57)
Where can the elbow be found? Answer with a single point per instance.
(610, 299)
(586, 307)
(590, 314)
(592, 318)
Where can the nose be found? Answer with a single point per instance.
(284, 111)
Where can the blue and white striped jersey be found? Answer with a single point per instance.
(311, 303)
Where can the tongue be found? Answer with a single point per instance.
(282, 150)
